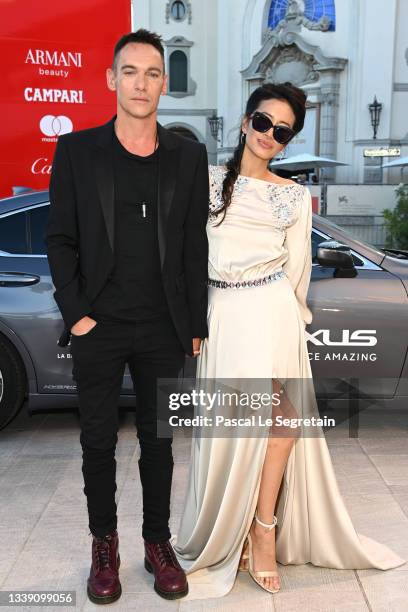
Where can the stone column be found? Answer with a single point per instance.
(329, 100)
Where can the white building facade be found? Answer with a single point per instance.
(341, 52)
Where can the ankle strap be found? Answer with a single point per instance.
(267, 526)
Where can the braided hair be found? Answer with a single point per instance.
(295, 97)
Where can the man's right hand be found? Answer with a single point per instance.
(83, 326)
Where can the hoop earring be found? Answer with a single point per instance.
(242, 138)
(281, 155)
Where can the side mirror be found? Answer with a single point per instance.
(333, 254)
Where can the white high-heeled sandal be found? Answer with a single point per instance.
(261, 574)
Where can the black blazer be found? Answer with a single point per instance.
(80, 230)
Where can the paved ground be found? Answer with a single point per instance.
(45, 543)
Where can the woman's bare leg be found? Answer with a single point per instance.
(277, 454)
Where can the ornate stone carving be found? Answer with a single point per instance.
(290, 64)
(295, 19)
(307, 59)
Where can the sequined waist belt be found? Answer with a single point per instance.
(249, 283)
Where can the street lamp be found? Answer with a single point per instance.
(375, 112)
(216, 126)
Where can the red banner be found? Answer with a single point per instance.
(54, 57)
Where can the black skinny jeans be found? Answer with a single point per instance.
(151, 351)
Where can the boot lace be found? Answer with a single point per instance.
(166, 554)
(102, 552)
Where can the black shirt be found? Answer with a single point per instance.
(134, 291)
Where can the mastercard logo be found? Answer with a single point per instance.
(55, 126)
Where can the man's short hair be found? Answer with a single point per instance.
(140, 36)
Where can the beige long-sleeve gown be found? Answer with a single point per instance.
(258, 332)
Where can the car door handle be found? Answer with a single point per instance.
(18, 279)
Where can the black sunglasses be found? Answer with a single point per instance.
(262, 123)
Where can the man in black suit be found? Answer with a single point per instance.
(128, 254)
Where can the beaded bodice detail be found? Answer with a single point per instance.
(283, 200)
(249, 244)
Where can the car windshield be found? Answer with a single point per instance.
(348, 233)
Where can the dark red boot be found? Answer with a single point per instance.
(103, 582)
(170, 580)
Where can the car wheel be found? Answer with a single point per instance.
(12, 382)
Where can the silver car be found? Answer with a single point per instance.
(357, 340)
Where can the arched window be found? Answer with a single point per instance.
(178, 71)
(183, 131)
(316, 9)
(277, 12)
(178, 10)
(181, 83)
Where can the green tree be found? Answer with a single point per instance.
(396, 221)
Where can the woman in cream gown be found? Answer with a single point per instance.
(257, 331)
